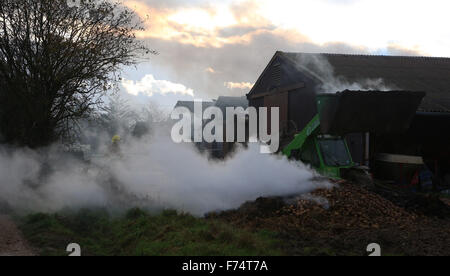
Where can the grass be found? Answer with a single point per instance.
(141, 234)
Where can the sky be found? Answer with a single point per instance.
(219, 48)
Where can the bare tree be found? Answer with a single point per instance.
(57, 61)
(117, 117)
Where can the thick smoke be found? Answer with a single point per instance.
(319, 67)
(153, 173)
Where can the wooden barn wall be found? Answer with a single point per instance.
(279, 100)
(302, 106)
(256, 102)
(297, 107)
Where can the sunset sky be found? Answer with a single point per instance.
(212, 48)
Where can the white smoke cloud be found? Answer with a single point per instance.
(319, 67)
(151, 174)
(149, 86)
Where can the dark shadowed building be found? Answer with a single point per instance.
(190, 105)
(291, 81)
(217, 149)
(221, 150)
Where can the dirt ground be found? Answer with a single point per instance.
(347, 218)
(12, 242)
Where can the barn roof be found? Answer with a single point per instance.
(190, 105)
(410, 73)
(224, 102)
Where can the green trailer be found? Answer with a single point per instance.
(322, 142)
(328, 154)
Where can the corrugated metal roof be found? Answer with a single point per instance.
(190, 105)
(410, 73)
(232, 102)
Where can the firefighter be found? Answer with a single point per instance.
(115, 145)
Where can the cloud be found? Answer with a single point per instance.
(230, 42)
(210, 70)
(398, 50)
(148, 86)
(213, 25)
(239, 85)
(374, 24)
(217, 23)
(231, 63)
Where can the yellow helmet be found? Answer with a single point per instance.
(116, 139)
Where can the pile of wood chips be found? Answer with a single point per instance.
(350, 205)
(343, 220)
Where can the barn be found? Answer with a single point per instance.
(218, 150)
(291, 81)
